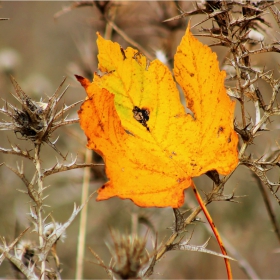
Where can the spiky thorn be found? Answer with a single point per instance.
(275, 85)
(54, 99)
(185, 246)
(273, 162)
(34, 217)
(58, 167)
(186, 14)
(101, 263)
(4, 250)
(64, 121)
(28, 272)
(245, 133)
(62, 112)
(263, 49)
(30, 187)
(214, 14)
(242, 21)
(53, 146)
(16, 150)
(217, 35)
(222, 197)
(60, 229)
(5, 109)
(249, 82)
(261, 173)
(27, 103)
(11, 246)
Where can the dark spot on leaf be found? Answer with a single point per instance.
(141, 115)
(128, 132)
(123, 53)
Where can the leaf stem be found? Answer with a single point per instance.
(214, 229)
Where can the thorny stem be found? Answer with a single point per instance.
(18, 263)
(164, 248)
(173, 237)
(39, 203)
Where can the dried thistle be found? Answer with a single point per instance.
(25, 251)
(51, 228)
(36, 121)
(129, 255)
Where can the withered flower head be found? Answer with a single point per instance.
(129, 255)
(36, 121)
(51, 228)
(25, 250)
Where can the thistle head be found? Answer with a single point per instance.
(129, 255)
(36, 121)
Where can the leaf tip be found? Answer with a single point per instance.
(83, 81)
(99, 36)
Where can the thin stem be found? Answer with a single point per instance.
(39, 203)
(83, 220)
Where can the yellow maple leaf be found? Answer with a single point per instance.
(134, 119)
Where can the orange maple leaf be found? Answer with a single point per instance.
(134, 119)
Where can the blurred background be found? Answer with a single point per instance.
(39, 46)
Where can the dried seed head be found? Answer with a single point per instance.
(25, 250)
(36, 121)
(51, 228)
(129, 255)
